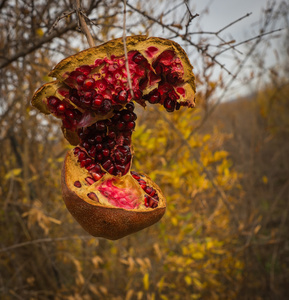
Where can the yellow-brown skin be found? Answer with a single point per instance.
(108, 222)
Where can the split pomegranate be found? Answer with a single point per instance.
(91, 96)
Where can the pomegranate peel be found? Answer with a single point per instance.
(92, 98)
(97, 216)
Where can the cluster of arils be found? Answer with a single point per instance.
(105, 145)
(151, 198)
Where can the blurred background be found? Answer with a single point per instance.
(222, 166)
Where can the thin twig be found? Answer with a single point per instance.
(44, 240)
(46, 39)
(83, 24)
(125, 49)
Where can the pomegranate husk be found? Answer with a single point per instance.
(104, 221)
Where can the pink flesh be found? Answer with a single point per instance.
(120, 197)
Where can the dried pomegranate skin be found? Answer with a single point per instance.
(108, 222)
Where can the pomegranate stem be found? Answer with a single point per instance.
(125, 49)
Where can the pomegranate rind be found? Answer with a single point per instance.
(99, 220)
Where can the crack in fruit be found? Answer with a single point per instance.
(92, 98)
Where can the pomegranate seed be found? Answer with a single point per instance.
(111, 170)
(91, 140)
(151, 51)
(85, 145)
(156, 197)
(118, 156)
(127, 117)
(92, 196)
(106, 106)
(89, 180)
(106, 165)
(111, 144)
(137, 94)
(85, 69)
(53, 101)
(98, 157)
(69, 113)
(96, 169)
(130, 125)
(146, 200)
(98, 147)
(122, 96)
(105, 152)
(96, 176)
(130, 106)
(76, 150)
(155, 98)
(127, 141)
(80, 79)
(152, 203)
(123, 149)
(138, 58)
(116, 116)
(61, 108)
(169, 105)
(100, 126)
(135, 175)
(87, 161)
(98, 138)
(111, 135)
(148, 189)
(101, 85)
(120, 125)
(81, 156)
(77, 184)
(97, 101)
(88, 83)
(153, 192)
(92, 151)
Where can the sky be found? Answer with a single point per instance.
(223, 12)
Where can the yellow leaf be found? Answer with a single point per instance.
(188, 280)
(197, 283)
(13, 173)
(198, 255)
(265, 179)
(174, 221)
(146, 282)
(39, 32)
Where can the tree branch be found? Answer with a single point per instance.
(83, 24)
(37, 45)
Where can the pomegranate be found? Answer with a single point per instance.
(92, 97)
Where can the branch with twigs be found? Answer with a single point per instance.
(83, 25)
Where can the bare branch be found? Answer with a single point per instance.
(37, 45)
(83, 24)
